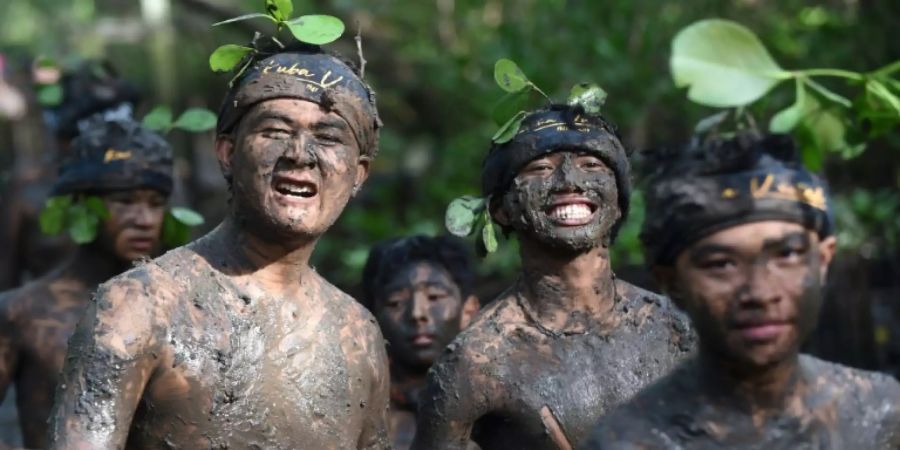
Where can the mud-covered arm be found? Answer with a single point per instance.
(109, 361)
(375, 433)
(455, 398)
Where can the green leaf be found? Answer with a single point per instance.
(509, 129)
(884, 94)
(509, 105)
(789, 117)
(50, 95)
(243, 17)
(509, 76)
(710, 122)
(227, 56)
(53, 217)
(723, 63)
(96, 206)
(83, 223)
(462, 214)
(316, 29)
(852, 151)
(827, 93)
(196, 120)
(489, 237)
(590, 96)
(825, 127)
(187, 216)
(280, 10)
(158, 119)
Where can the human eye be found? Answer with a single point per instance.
(539, 166)
(717, 263)
(591, 163)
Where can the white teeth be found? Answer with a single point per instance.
(293, 189)
(571, 212)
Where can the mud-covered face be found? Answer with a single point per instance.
(419, 310)
(753, 291)
(133, 228)
(294, 166)
(567, 200)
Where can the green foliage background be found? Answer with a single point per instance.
(431, 62)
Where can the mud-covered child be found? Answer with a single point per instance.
(740, 236)
(234, 341)
(567, 341)
(420, 290)
(129, 169)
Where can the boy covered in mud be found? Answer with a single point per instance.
(129, 169)
(92, 88)
(568, 341)
(234, 341)
(420, 290)
(740, 236)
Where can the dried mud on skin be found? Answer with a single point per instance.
(839, 408)
(227, 366)
(502, 376)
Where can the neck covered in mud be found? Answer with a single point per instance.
(277, 266)
(756, 391)
(558, 287)
(92, 265)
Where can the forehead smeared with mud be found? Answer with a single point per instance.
(387, 258)
(307, 73)
(559, 127)
(696, 191)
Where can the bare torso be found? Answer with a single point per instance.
(516, 386)
(839, 408)
(224, 366)
(37, 321)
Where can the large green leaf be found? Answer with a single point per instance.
(590, 96)
(196, 120)
(53, 217)
(158, 119)
(462, 214)
(826, 128)
(723, 63)
(83, 223)
(227, 56)
(280, 10)
(316, 29)
(509, 76)
(96, 206)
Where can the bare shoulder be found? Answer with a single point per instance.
(345, 308)
(20, 304)
(854, 388)
(656, 314)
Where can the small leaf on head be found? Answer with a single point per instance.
(462, 215)
(509, 76)
(50, 95)
(590, 96)
(509, 129)
(280, 10)
(316, 29)
(509, 105)
(224, 58)
(187, 216)
(489, 236)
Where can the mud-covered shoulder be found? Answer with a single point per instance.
(640, 422)
(648, 311)
(871, 397)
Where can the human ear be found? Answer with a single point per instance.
(827, 249)
(224, 151)
(469, 309)
(362, 172)
(498, 213)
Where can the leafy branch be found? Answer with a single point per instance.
(195, 120)
(467, 215)
(511, 109)
(725, 65)
(177, 226)
(315, 29)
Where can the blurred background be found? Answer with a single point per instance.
(431, 63)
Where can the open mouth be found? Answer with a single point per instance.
(294, 187)
(572, 214)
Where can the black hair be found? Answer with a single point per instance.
(389, 256)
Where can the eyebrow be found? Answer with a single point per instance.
(272, 115)
(707, 249)
(330, 122)
(793, 238)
